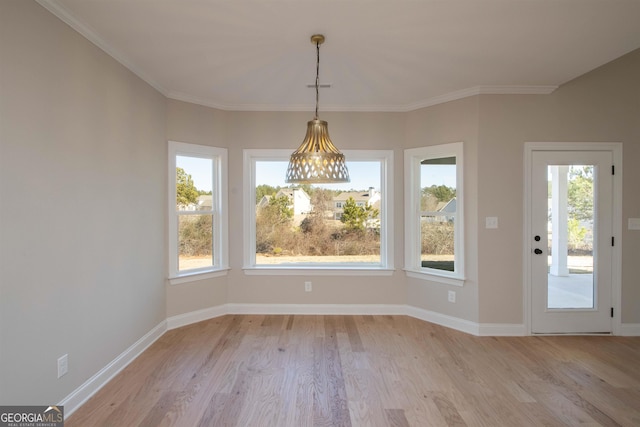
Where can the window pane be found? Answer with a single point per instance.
(318, 224)
(437, 242)
(438, 183)
(195, 240)
(194, 180)
(438, 199)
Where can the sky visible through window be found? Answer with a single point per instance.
(363, 174)
(198, 168)
(438, 175)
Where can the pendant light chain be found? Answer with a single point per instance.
(317, 76)
(317, 160)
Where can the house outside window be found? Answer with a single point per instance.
(370, 197)
(198, 237)
(434, 213)
(322, 227)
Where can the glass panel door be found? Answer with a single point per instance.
(571, 254)
(570, 232)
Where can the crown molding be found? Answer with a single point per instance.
(441, 99)
(179, 96)
(481, 90)
(90, 34)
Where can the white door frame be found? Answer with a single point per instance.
(616, 263)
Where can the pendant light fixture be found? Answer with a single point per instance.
(317, 160)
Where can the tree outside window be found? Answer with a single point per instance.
(337, 225)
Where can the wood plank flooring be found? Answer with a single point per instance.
(368, 371)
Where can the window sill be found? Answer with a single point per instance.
(306, 270)
(198, 275)
(434, 277)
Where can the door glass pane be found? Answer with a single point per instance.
(570, 236)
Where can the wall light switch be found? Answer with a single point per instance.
(491, 222)
(634, 223)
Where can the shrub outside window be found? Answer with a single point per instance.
(434, 213)
(197, 210)
(317, 227)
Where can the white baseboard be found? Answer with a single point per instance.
(443, 320)
(630, 330)
(502, 330)
(80, 395)
(74, 400)
(473, 328)
(196, 316)
(362, 309)
(483, 329)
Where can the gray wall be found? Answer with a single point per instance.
(83, 202)
(205, 126)
(601, 106)
(83, 199)
(451, 122)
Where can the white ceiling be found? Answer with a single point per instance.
(379, 55)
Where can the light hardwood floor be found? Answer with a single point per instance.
(368, 371)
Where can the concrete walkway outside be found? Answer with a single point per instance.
(573, 291)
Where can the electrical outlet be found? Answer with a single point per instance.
(63, 365)
(451, 296)
(307, 286)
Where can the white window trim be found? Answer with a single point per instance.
(220, 213)
(386, 266)
(413, 268)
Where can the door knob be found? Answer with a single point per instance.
(537, 251)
